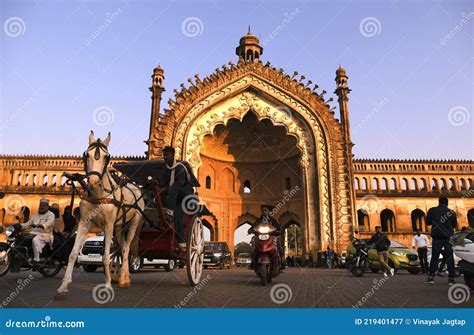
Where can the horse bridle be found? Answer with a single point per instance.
(98, 145)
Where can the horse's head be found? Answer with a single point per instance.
(95, 159)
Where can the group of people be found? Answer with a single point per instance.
(329, 259)
(443, 222)
(300, 261)
(49, 228)
(440, 218)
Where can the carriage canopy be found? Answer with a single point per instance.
(139, 172)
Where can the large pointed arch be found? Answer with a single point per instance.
(270, 94)
(236, 78)
(189, 137)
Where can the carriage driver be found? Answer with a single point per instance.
(179, 186)
(42, 224)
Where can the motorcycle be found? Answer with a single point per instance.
(359, 264)
(265, 252)
(16, 254)
(463, 247)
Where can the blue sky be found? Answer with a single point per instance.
(410, 67)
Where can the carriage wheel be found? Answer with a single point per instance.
(195, 251)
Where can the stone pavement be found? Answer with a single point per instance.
(238, 287)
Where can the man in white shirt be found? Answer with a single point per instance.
(42, 225)
(420, 242)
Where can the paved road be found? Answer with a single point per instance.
(234, 288)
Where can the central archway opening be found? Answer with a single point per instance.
(247, 163)
(293, 242)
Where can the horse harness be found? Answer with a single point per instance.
(120, 183)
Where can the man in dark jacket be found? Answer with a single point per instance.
(267, 217)
(69, 221)
(179, 189)
(381, 244)
(443, 222)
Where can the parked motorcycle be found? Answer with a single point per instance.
(265, 252)
(16, 254)
(463, 247)
(359, 264)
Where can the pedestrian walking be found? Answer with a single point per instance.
(329, 257)
(420, 243)
(310, 259)
(381, 244)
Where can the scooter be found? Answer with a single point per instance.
(265, 252)
(16, 254)
(463, 247)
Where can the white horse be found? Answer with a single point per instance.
(102, 208)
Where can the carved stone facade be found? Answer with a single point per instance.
(254, 134)
(405, 190)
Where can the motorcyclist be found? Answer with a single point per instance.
(42, 225)
(266, 217)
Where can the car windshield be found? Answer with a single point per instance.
(214, 246)
(244, 255)
(395, 244)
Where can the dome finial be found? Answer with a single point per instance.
(341, 71)
(249, 48)
(341, 77)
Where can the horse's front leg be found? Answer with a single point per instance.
(109, 231)
(124, 280)
(82, 231)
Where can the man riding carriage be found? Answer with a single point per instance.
(116, 205)
(179, 187)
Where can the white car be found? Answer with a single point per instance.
(90, 257)
(445, 267)
(464, 248)
(342, 259)
(243, 259)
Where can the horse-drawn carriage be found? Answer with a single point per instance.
(127, 206)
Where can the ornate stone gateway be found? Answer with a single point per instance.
(320, 156)
(254, 134)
